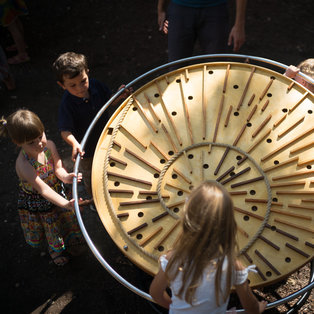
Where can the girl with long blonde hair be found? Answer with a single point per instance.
(202, 267)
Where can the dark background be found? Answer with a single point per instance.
(121, 41)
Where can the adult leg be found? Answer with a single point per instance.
(181, 32)
(213, 29)
(5, 74)
(18, 38)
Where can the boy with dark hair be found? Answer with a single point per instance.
(81, 101)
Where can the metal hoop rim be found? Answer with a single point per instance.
(91, 245)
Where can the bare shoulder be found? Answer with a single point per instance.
(238, 265)
(22, 165)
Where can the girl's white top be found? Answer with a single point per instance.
(205, 298)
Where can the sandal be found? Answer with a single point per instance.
(18, 59)
(59, 259)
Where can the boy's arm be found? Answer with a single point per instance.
(237, 34)
(71, 140)
(60, 171)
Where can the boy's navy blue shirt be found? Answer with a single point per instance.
(76, 114)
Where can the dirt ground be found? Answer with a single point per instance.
(121, 41)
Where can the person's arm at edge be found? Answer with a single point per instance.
(162, 11)
(237, 34)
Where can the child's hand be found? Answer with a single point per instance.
(292, 71)
(127, 92)
(77, 149)
(71, 204)
(69, 178)
(165, 27)
(262, 305)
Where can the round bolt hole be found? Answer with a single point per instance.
(269, 95)
(156, 175)
(112, 164)
(170, 152)
(140, 214)
(178, 80)
(236, 113)
(156, 95)
(310, 111)
(148, 198)
(205, 166)
(176, 209)
(249, 124)
(269, 140)
(275, 199)
(210, 72)
(268, 273)
(239, 157)
(252, 192)
(308, 167)
(162, 161)
(288, 259)
(134, 108)
(117, 183)
(190, 97)
(254, 208)
(139, 236)
(235, 86)
(174, 113)
(160, 248)
(246, 218)
(276, 162)
(273, 228)
(174, 176)
(180, 193)
(284, 110)
(190, 156)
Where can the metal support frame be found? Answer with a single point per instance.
(304, 292)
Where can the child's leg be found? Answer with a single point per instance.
(33, 230)
(72, 235)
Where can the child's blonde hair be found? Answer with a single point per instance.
(70, 64)
(307, 67)
(209, 231)
(21, 126)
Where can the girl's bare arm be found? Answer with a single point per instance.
(26, 172)
(158, 290)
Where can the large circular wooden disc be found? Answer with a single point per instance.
(245, 126)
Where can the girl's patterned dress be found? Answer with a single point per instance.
(41, 220)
